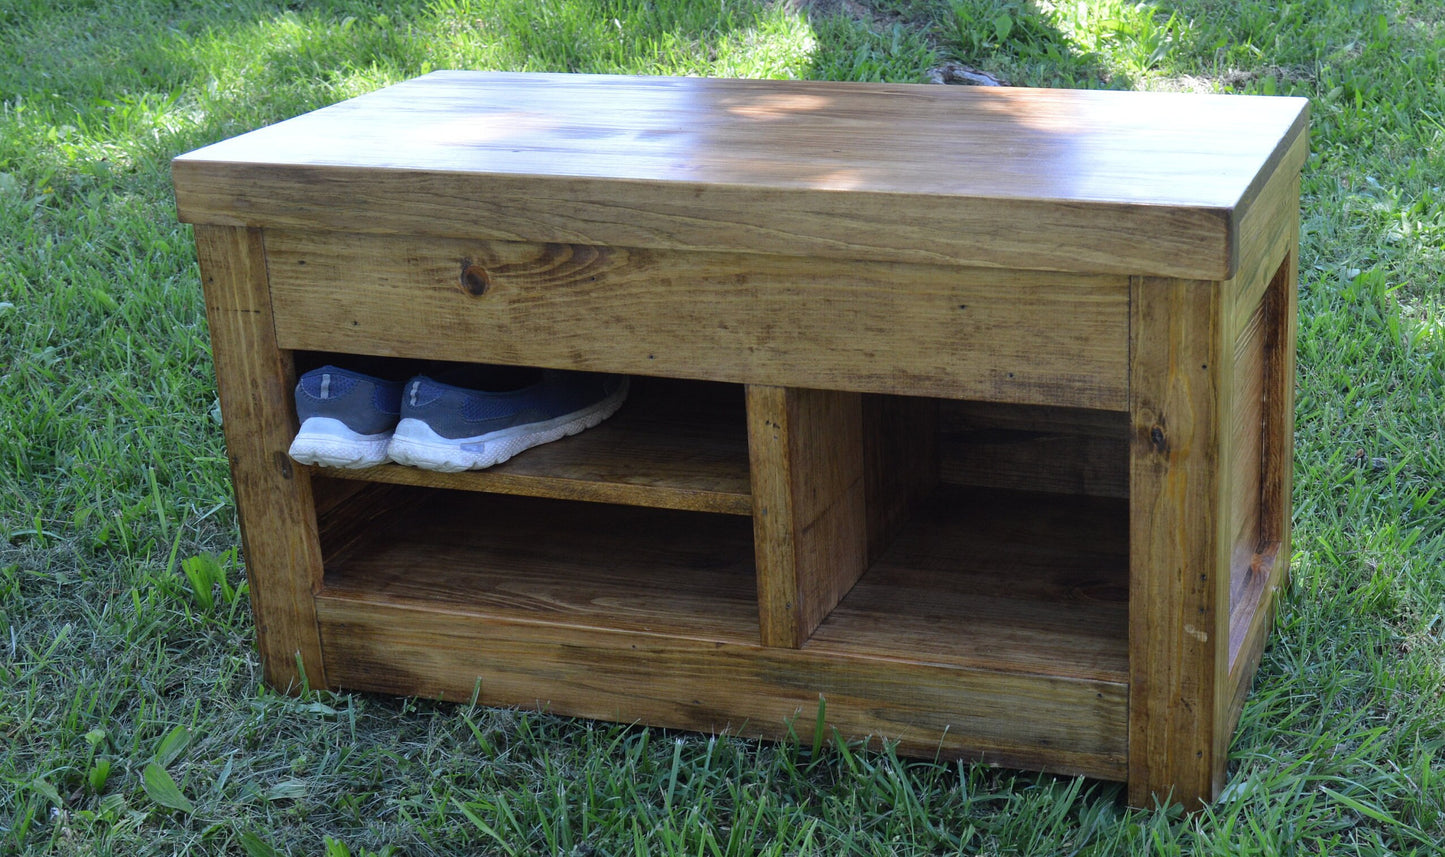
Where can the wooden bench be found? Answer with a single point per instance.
(968, 411)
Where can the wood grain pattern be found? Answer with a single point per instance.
(1263, 292)
(1265, 233)
(900, 463)
(575, 564)
(996, 580)
(1068, 180)
(351, 525)
(737, 317)
(1107, 278)
(1179, 567)
(328, 493)
(809, 521)
(673, 445)
(1035, 448)
(254, 380)
(1281, 311)
(974, 634)
(986, 580)
(1248, 375)
(1252, 611)
(1046, 723)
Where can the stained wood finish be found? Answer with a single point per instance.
(1044, 723)
(997, 580)
(1179, 565)
(742, 317)
(975, 634)
(1247, 427)
(1252, 605)
(809, 521)
(1266, 230)
(1068, 180)
(344, 529)
(254, 380)
(900, 463)
(673, 445)
(583, 565)
(328, 493)
(1029, 448)
(1107, 278)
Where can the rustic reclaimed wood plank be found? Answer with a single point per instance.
(900, 463)
(740, 317)
(986, 580)
(1108, 276)
(1035, 448)
(996, 580)
(1264, 234)
(583, 564)
(254, 380)
(1041, 722)
(328, 493)
(1179, 562)
(1067, 180)
(1248, 379)
(1281, 310)
(809, 522)
(1264, 293)
(1252, 610)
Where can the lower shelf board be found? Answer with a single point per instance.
(1054, 724)
(997, 580)
(995, 626)
(570, 564)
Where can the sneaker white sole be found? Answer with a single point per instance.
(416, 445)
(327, 442)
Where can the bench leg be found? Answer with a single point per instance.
(1178, 574)
(254, 379)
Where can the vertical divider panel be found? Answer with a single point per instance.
(900, 441)
(809, 516)
(254, 379)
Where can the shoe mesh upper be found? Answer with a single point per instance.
(342, 395)
(327, 383)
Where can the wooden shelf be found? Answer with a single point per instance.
(997, 580)
(576, 564)
(673, 445)
(1002, 581)
(982, 632)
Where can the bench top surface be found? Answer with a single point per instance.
(964, 159)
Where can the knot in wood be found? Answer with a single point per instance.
(1157, 438)
(475, 280)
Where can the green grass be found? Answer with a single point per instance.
(132, 717)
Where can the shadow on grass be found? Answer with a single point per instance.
(225, 67)
(1024, 43)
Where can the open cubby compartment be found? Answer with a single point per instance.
(431, 591)
(673, 445)
(926, 599)
(536, 559)
(997, 540)
(996, 580)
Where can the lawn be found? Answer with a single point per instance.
(132, 716)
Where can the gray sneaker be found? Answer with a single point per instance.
(451, 428)
(346, 418)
